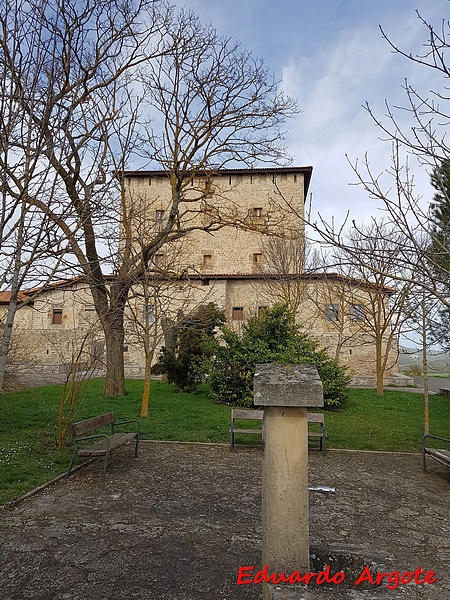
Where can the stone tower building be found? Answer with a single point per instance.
(245, 251)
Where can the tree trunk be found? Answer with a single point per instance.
(147, 379)
(425, 369)
(379, 367)
(115, 369)
(7, 332)
(337, 352)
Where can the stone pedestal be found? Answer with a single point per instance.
(285, 392)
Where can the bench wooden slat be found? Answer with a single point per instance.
(115, 441)
(257, 431)
(258, 415)
(316, 418)
(89, 425)
(439, 453)
(237, 413)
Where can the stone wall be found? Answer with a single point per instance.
(227, 267)
(38, 340)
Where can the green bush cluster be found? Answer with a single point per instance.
(229, 361)
(189, 337)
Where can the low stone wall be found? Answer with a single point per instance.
(371, 380)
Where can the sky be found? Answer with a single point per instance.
(331, 57)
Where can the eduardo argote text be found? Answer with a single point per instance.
(391, 580)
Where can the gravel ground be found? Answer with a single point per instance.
(177, 523)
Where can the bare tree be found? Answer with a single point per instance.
(417, 132)
(370, 254)
(281, 269)
(82, 367)
(154, 307)
(421, 313)
(337, 297)
(216, 104)
(27, 238)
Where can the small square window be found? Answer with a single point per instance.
(89, 307)
(57, 315)
(257, 212)
(331, 312)
(357, 312)
(160, 218)
(205, 281)
(237, 313)
(257, 257)
(148, 314)
(207, 260)
(158, 259)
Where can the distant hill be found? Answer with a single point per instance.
(439, 362)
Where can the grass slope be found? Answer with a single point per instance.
(28, 456)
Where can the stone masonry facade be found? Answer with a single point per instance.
(228, 266)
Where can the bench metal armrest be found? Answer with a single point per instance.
(138, 431)
(434, 437)
(75, 440)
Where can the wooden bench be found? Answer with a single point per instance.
(107, 444)
(439, 454)
(257, 415)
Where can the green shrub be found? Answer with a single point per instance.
(183, 359)
(229, 362)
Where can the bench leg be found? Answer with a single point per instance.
(231, 439)
(105, 462)
(71, 463)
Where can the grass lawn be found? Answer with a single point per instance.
(441, 375)
(28, 422)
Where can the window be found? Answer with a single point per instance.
(148, 314)
(261, 310)
(237, 313)
(57, 316)
(257, 257)
(205, 281)
(158, 259)
(256, 212)
(160, 218)
(207, 260)
(89, 308)
(331, 312)
(357, 312)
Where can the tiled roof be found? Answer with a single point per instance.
(25, 295)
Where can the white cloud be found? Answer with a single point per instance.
(331, 88)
